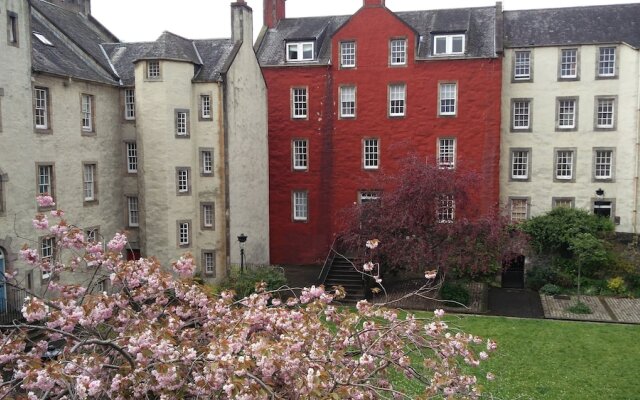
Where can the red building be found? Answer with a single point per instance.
(353, 97)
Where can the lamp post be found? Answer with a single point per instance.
(242, 238)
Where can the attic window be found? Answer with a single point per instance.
(300, 51)
(42, 38)
(448, 44)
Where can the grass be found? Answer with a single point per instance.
(557, 360)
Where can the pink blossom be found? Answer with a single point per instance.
(118, 242)
(430, 274)
(59, 229)
(372, 244)
(490, 376)
(41, 222)
(30, 256)
(368, 266)
(439, 313)
(57, 213)
(45, 201)
(185, 266)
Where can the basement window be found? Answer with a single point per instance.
(43, 39)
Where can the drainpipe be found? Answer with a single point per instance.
(637, 149)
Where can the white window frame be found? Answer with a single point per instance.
(41, 107)
(564, 164)
(182, 123)
(522, 65)
(153, 69)
(366, 196)
(569, 63)
(371, 153)
(446, 153)
(132, 157)
(207, 162)
(605, 112)
(47, 253)
(398, 52)
(300, 205)
(209, 262)
(89, 181)
(520, 164)
(348, 54)
(567, 113)
(300, 154)
(130, 104)
(45, 179)
(448, 98)
(184, 234)
(300, 49)
(207, 215)
(347, 101)
(448, 44)
(446, 211)
(397, 100)
(607, 60)
(87, 113)
(603, 160)
(205, 106)
(133, 211)
(92, 235)
(299, 102)
(182, 180)
(521, 114)
(518, 209)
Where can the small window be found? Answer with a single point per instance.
(398, 51)
(566, 202)
(209, 262)
(606, 62)
(153, 69)
(348, 54)
(446, 208)
(87, 113)
(182, 123)
(2, 206)
(448, 95)
(92, 235)
(368, 196)
(446, 153)
(299, 103)
(605, 113)
(133, 215)
(300, 154)
(565, 161)
(43, 39)
(300, 51)
(206, 162)
(567, 110)
(569, 64)
(47, 253)
(132, 157)
(347, 101)
(41, 107)
(397, 100)
(603, 164)
(12, 28)
(208, 215)
(205, 106)
(45, 180)
(89, 182)
(184, 233)
(300, 206)
(520, 164)
(448, 44)
(522, 66)
(129, 104)
(521, 114)
(519, 209)
(183, 180)
(371, 153)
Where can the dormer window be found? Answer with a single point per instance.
(300, 51)
(448, 45)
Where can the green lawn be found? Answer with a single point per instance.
(557, 360)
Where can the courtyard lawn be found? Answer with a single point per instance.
(557, 360)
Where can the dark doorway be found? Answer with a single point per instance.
(133, 254)
(513, 273)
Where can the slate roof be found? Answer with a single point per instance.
(573, 25)
(84, 49)
(478, 24)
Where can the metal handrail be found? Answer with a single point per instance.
(11, 305)
(327, 263)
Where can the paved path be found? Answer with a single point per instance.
(605, 309)
(520, 303)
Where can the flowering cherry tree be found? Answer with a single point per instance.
(158, 336)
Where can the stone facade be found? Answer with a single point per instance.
(165, 140)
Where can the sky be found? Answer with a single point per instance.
(145, 20)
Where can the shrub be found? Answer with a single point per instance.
(616, 285)
(455, 292)
(244, 283)
(550, 289)
(580, 308)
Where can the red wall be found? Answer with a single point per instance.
(335, 173)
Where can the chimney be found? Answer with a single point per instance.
(274, 11)
(373, 3)
(241, 21)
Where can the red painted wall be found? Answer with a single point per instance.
(335, 173)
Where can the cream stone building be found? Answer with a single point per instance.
(166, 140)
(570, 127)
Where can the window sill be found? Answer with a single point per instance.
(568, 79)
(187, 136)
(605, 78)
(602, 129)
(43, 131)
(90, 203)
(206, 174)
(558, 129)
(88, 133)
(447, 116)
